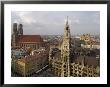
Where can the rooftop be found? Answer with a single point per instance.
(30, 38)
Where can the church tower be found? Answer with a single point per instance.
(20, 29)
(14, 35)
(65, 51)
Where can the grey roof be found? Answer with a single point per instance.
(88, 60)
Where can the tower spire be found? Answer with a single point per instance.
(67, 21)
(65, 51)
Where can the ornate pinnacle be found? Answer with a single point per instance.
(67, 21)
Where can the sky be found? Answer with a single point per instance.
(53, 22)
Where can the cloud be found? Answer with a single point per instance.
(53, 22)
(24, 17)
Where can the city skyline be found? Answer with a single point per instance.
(52, 22)
(53, 57)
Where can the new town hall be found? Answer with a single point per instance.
(66, 61)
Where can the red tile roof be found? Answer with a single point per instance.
(30, 38)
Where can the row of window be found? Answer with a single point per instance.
(30, 45)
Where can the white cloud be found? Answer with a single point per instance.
(25, 17)
(43, 22)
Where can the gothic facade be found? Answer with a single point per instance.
(64, 64)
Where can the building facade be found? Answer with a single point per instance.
(85, 37)
(28, 65)
(64, 64)
(89, 42)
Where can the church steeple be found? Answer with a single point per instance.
(67, 30)
(67, 21)
(14, 35)
(20, 29)
(65, 51)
